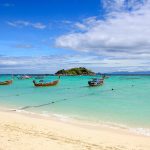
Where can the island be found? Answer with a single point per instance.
(75, 71)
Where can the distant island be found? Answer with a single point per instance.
(75, 71)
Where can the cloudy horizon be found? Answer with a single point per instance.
(102, 35)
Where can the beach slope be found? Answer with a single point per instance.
(21, 132)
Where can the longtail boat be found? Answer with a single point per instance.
(7, 82)
(42, 83)
(105, 76)
(24, 77)
(96, 82)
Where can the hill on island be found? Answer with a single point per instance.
(75, 71)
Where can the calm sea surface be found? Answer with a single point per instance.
(128, 104)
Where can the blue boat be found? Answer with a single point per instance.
(96, 82)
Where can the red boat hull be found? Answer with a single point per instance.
(6, 82)
(46, 84)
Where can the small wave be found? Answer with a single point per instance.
(138, 131)
(113, 125)
(61, 117)
(45, 114)
(141, 131)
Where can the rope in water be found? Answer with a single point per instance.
(52, 102)
(56, 101)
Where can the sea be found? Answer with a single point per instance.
(122, 101)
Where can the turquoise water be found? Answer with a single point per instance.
(127, 104)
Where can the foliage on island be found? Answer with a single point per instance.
(75, 71)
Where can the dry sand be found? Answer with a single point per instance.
(21, 132)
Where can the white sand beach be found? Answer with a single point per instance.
(22, 132)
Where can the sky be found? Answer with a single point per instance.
(43, 36)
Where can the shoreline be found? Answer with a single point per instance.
(140, 131)
(17, 129)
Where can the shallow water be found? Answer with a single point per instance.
(128, 104)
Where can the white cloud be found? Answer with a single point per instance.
(66, 21)
(122, 5)
(80, 26)
(38, 25)
(50, 64)
(122, 37)
(86, 24)
(22, 23)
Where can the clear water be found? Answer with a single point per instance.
(127, 104)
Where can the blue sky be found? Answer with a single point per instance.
(54, 15)
(46, 35)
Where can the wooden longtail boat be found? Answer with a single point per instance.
(6, 82)
(43, 84)
(24, 77)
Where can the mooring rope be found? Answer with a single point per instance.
(52, 102)
(65, 99)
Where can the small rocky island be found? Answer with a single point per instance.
(75, 71)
